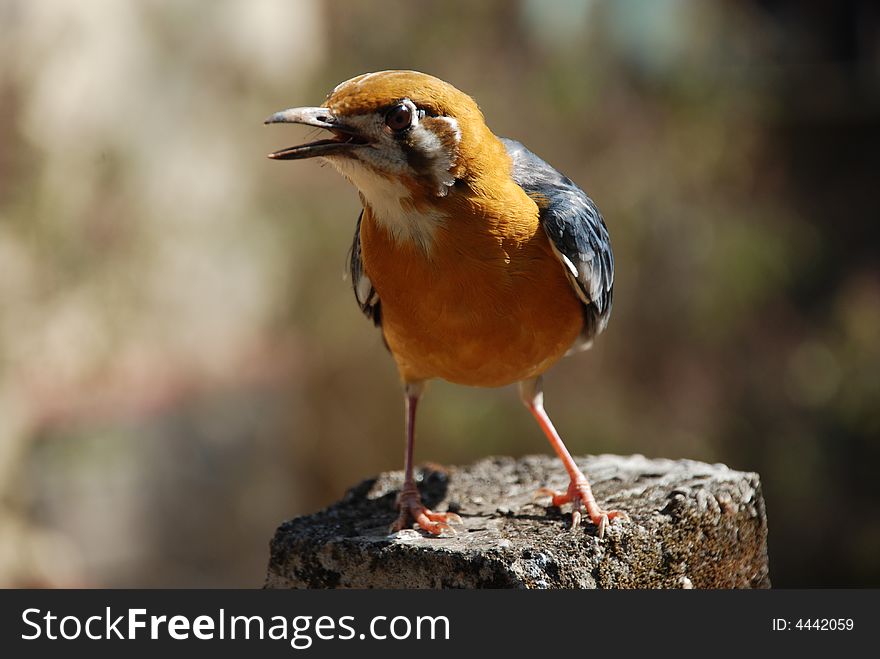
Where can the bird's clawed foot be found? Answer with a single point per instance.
(579, 494)
(412, 510)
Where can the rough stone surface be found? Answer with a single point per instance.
(693, 525)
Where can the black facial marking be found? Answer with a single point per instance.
(423, 161)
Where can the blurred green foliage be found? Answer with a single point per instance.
(182, 365)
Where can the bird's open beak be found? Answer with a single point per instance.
(345, 137)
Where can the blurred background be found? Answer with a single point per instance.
(183, 367)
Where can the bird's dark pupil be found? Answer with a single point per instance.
(399, 117)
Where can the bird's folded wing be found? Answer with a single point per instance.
(364, 293)
(576, 231)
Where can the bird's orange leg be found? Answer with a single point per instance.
(579, 491)
(409, 501)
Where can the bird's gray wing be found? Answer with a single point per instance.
(576, 231)
(364, 293)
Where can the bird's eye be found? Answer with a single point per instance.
(399, 117)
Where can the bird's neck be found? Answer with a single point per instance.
(484, 198)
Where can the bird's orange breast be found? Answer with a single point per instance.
(487, 305)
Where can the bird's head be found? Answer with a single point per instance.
(394, 128)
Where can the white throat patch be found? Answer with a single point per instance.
(391, 204)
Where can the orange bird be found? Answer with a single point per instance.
(481, 264)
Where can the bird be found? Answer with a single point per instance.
(481, 264)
